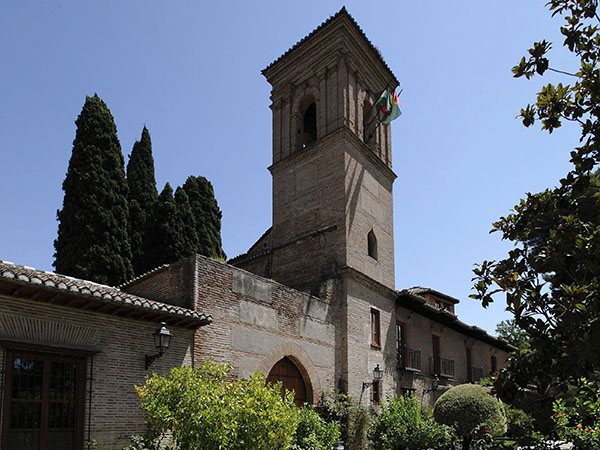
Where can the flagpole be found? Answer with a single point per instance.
(369, 136)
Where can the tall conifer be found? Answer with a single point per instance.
(142, 197)
(93, 242)
(207, 214)
(163, 232)
(187, 223)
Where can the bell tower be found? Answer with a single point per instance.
(332, 176)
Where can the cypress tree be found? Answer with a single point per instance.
(187, 223)
(93, 242)
(142, 197)
(207, 214)
(164, 232)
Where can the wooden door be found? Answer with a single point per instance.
(291, 379)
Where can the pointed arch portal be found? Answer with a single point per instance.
(291, 380)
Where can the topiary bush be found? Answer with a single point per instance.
(313, 432)
(470, 409)
(402, 426)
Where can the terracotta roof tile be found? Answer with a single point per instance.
(33, 276)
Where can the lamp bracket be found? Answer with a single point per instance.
(151, 358)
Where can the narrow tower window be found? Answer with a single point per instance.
(369, 124)
(372, 245)
(310, 125)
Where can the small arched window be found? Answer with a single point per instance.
(372, 245)
(309, 121)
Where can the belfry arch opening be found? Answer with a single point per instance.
(291, 379)
(307, 122)
(369, 123)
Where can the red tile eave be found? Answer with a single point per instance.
(21, 290)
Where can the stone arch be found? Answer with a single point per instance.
(305, 108)
(299, 357)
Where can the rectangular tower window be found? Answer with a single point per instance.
(401, 345)
(375, 328)
(494, 364)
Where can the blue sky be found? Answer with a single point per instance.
(190, 71)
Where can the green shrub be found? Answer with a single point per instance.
(313, 432)
(336, 408)
(577, 417)
(402, 426)
(358, 423)
(200, 410)
(469, 409)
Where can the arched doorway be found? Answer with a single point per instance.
(291, 379)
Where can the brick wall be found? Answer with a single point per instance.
(255, 318)
(117, 367)
(173, 284)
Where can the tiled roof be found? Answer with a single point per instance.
(340, 13)
(411, 299)
(10, 272)
(420, 291)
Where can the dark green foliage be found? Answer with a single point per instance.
(164, 232)
(469, 409)
(358, 424)
(142, 197)
(511, 333)
(551, 278)
(578, 418)
(93, 240)
(313, 432)
(336, 408)
(402, 426)
(207, 214)
(187, 224)
(171, 233)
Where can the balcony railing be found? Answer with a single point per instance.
(409, 359)
(441, 366)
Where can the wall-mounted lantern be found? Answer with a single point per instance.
(377, 376)
(162, 339)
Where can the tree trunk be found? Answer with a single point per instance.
(466, 443)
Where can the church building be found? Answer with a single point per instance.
(313, 303)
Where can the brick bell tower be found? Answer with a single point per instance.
(332, 176)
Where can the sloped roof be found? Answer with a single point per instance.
(418, 303)
(421, 291)
(48, 287)
(341, 13)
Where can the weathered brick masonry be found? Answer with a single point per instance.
(49, 316)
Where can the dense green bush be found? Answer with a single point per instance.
(200, 410)
(469, 409)
(336, 408)
(578, 418)
(313, 432)
(358, 423)
(402, 426)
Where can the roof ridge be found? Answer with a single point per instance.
(48, 272)
(342, 12)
